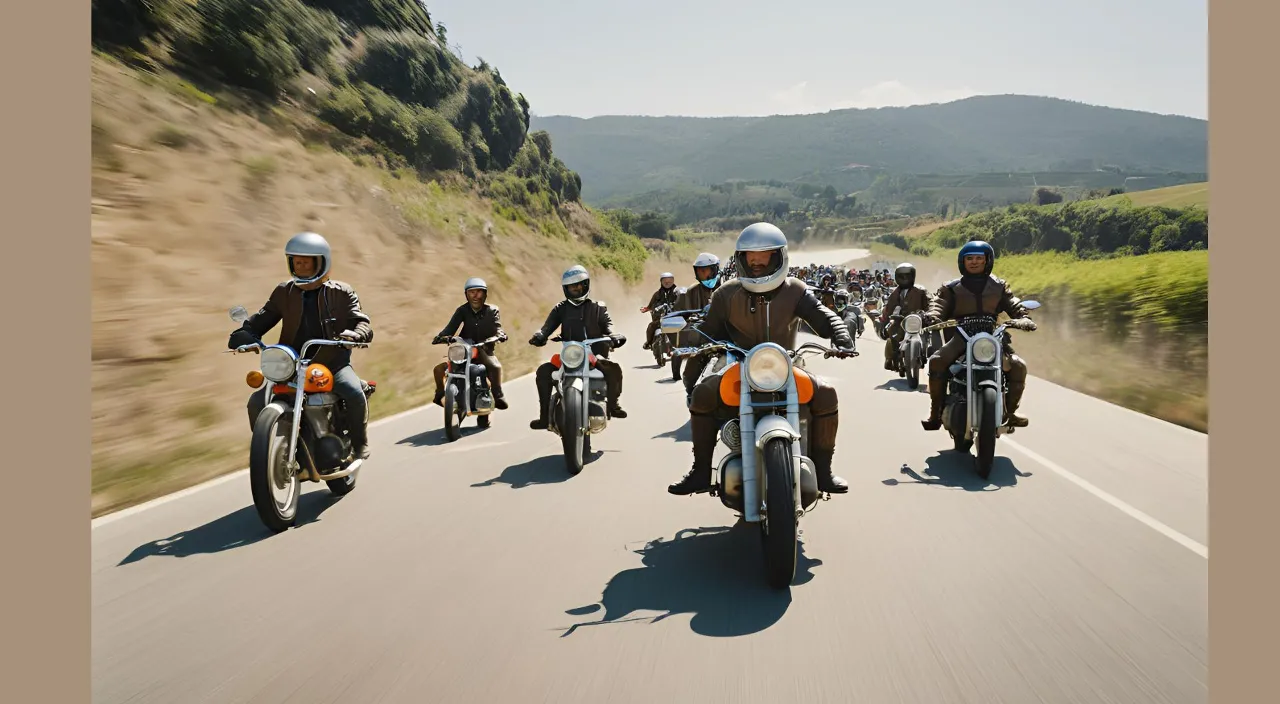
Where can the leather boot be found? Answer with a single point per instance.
(937, 402)
(823, 443)
(360, 441)
(698, 480)
(1011, 401)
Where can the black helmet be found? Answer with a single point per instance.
(905, 275)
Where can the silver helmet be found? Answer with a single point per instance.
(308, 244)
(762, 237)
(707, 259)
(474, 283)
(576, 274)
(663, 279)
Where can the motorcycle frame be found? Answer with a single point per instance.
(992, 375)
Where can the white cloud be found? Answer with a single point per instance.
(796, 100)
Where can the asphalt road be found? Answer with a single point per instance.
(479, 571)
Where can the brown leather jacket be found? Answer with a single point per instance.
(747, 319)
(339, 312)
(917, 300)
(660, 297)
(696, 297)
(476, 325)
(954, 301)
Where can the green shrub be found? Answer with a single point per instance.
(261, 44)
(408, 15)
(407, 66)
(126, 23)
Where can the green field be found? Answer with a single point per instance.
(1187, 195)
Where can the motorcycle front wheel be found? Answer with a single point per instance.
(987, 423)
(571, 436)
(274, 486)
(779, 530)
(452, 423)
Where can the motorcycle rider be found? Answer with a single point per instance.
(706, 270)
(311, 306)
(666, 294)
(764, 304)
(579, 318)
(976, 292)
(912, 299)
(479, 321)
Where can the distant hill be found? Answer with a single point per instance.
(1184, 196)
(620, 156)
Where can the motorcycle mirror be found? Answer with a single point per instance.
(1030, 305)
(239, 314)
(673, 324)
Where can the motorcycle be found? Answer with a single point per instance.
(911, 350)
(692, 317)
(578, 407)
(767, 475)
(282, 452)
(662, 343)
(467, 391)
(974, 409)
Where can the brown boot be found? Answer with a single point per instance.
(823, 443)
(937, 402)
(1012, 399)
(698, 480)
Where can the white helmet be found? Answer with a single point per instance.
(576, 274)
(308, 244)
(762, 237)
(708, 259)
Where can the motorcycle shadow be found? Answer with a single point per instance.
(900, 384)
(715, 574)
(436, 438)
(543, 470)
(682, 434)
(955, 470)
(234, 530)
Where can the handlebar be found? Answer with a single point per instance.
(257, 347)
(452, 339)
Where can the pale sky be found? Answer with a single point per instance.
(759, 57)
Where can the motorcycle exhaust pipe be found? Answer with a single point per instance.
(341, 473)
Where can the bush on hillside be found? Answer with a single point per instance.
(423, 137)
(127, 23)
(261, 44)
(394, 15)
(408, 66)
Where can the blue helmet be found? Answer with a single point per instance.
(976, 247)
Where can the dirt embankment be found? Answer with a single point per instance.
(192, 205)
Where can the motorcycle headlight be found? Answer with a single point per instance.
(984, 350)
(278, 364)
(768, 368)
(572, 356)
(457, 354)
(912, 324)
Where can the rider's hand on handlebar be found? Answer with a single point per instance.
(618, 340)
(1023, 324)
(538, 340)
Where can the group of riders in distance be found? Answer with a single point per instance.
(730, 337)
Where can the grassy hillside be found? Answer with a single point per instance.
(1187, 195)
(849, 149)
(210, 150)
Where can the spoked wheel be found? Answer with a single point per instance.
(275, 487)
(779, 531)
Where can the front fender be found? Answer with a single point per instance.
(774, 426)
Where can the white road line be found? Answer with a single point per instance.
(1168, 532)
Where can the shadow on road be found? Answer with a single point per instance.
(716, 574)
(902, 385)
(682, 434)
(234, 530)
(543, 470)
(956, 470)
(435, 438)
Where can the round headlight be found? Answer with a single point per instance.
(767, 369)
(278, 364)
(457, 354)
(984, 350)
(572, 355)
(912, 324)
